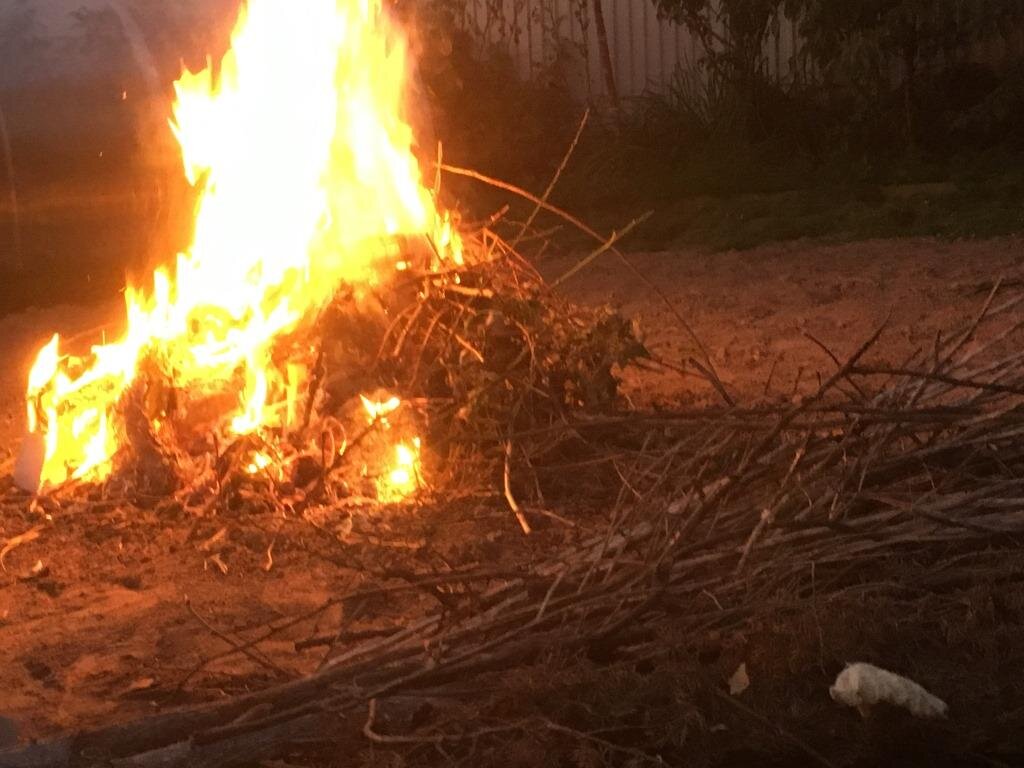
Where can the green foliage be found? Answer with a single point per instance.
(729, 156)
(867, 48)
(998, 116)
(857, 38)
(746, 24)
(732, 35)
(866, 56)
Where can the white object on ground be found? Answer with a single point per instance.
(28, 468)
(862, 685)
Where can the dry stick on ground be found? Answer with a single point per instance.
(16, 541)
(355, 636)
(636, 754)
(168, 727)
(965, 383)
(237, 645)
(832, 356)
(769, 512)
(274, 630)
(509, 497)
(436, 738)
(735, 477)
(604, 247)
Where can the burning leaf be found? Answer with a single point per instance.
(378, 410)
(260, 461)
(401, 476)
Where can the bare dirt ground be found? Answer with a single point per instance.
(753, 309)
(102, 616)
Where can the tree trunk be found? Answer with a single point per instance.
(606, 56)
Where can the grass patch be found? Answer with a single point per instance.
(731, 204)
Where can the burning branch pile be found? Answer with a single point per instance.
(325, 296)
(463, 375)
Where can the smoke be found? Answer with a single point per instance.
(420, 38)
(141, 52)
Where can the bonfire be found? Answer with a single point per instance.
(306, 183)
(337, 346)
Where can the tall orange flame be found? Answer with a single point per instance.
(305, 170)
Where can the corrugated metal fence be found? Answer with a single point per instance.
(646, 51)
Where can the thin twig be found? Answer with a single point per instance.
(237, 646)
(509, 497)
(605, 246)
(554, 179)
(669, 304)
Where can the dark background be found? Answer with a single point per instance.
(89, 177)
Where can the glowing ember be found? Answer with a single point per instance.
(403, 479)
(260, 461)
(403, 475)
(305, 171)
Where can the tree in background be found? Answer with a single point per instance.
(732, 34)
(863, 53)
(856, 43)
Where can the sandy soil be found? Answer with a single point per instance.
(752, 310)
(103, 632)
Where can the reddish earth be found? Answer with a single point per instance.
(104, 631)
(752, 309)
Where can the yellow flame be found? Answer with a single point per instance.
(379, 409)
(402, 475)
(304, 167)
(259, 462)
(402, 480)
